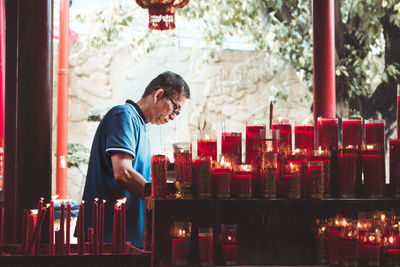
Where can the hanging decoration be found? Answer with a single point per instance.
(162, 12)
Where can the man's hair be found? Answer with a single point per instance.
(173, 84)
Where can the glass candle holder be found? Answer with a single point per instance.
(304, 137)
(272, 141)
(231, 143)
(159, 165)
(207, 148)
(321, 239)
(349, 246)
(269, 174)
(242, 181)
(229, 250)
(347, 178)
(290, 183)
(254, 135)
(183, 169)
(391, 245)
(315, 179)
(371, 247)
(374, 179)
(285, 134)
(202, 177)
(327, 133)
(375, 132)
(352, 132)
(395, 167)
(206, 246)
(335, 227)
(222, 179)
(325, 157)
(181, 232)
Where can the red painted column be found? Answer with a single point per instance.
(62, 107)
(2, 88)
(324, 58)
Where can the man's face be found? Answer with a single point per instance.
(167, 109)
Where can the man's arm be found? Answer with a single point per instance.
(126, 176)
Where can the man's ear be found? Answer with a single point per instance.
(158, 95)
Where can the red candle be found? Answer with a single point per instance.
(347, 182)
(159, 165)
(90, 239)
(183, 169)
(229, 251)
(352, 132)
(40, 207)
(57, 241)
(231, 143)
(325, 157)
(395, 167)
(123, 227)
(321, 242)
(254, 135)
(269, 173)
(68, 230)
(374, 180)
(101, 227)
(370, 248)
(391, 246)
(304, 138)
(32, 220)
(334, 230)
(375, 132)
(315, 179)
(242, 182)
(25, 220)
(36, 233)
(207, 148)
(116, 237)
(290, 184)
(1, 229)
(95, 226)
(285, 134)
(202, 176)
(81, 232)
(180, 243)
(398, 111)
(327, 134)
(51, 228)
(206, 246)
(62, 217)
(222, 181)
(348, 247)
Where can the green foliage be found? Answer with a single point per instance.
(77, 154)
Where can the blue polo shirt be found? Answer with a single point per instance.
(123, 129)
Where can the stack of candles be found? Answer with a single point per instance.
(368, 241)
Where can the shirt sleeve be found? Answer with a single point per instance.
(122, 135)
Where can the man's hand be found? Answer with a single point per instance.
(126, 176)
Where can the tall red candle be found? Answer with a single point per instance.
(348, 247)
(222, 181)
(40, 207)
(101, 227)
(206, 246)
(334, 229)
(290, 183)
(315, 179)
(68, 230)
(81, 231)
(327, 133)
(32, 220)
(352, 132)
(1, 229)
(159, 165)
(95, 226)
(254, 136)
(183, 169)
(391, 245)
(375, 134)
(36, 233)
(123, 227)
(231, 143)
(269, 174)
(116, 237)
(57, 242)
(374, 179)
(62, 217)
(25, 220)
(371, 248)
(51, 228)
(242, 182)
(395, 167)
(229, 250)
(202, 176)
(285, 134)
(398, 111)
(304, 138)
(347, 182)
(325, 157)
(207, 148)
(180, 243)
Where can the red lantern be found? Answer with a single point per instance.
(162, 12)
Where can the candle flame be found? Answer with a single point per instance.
(305, 122)
(42, 199)
(297, 151)
(349, 147)
(54, 197)
(222, 160)
(371, 238)
(96, 199)
(350, 234)
(181, 232)
(229, 238)
(34, 212)
(245, 167)
(47, 205)
(370, 147)
(336, 222)
(358, 225)
(207, 137)
(391, 240)
(104, 201)
(383, 217)
(344, 222)
(83, 202)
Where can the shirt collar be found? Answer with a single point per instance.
(137, 109)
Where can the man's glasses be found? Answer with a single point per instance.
(175, 111)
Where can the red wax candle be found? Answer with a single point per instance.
(40, 207)
(222, 181)
(374, 180)
(68, 230)
(254, 135)
(1, 229)
(25, 220)
(370, 248)
(51, 228)
(398, 111)
(101, 228)
(81, 233)
(285, 134)
(229, 250)
(202, 175)
(351, 132)
(395, 167)
(159, 165)
(180, 251)
(123, 227)
(206, 246)
(116, 230)
(32, 220)
(304, 138)
(347, 182)
(333, 243)
(183, 169)
(62, 217)
(315, 179)
(207, 148)
(231, 143)
(30, 250)
(95, 225)
(57, 241)
(290, 184)
(375, 132)
(242, 183)
(269, 174)
(348, 248)
(325, 157)
(391, 246)
(327, 134)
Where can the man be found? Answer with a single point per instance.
(120, 160)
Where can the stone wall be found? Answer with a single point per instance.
(228, 90)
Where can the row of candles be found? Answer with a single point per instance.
(271, 161)
(369, 241)
(59, 239)
(181, 244)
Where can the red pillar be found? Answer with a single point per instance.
(324, 58)
(2, 84)
(62, 108)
